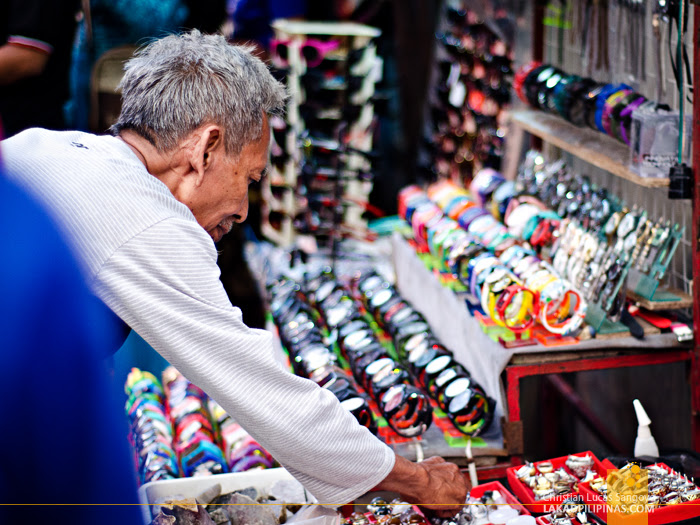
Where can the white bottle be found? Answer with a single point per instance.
(645, 445)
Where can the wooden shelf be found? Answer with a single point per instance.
(593, 147)
(685, 301)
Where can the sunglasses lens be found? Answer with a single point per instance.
(283, 52)
(311, 54)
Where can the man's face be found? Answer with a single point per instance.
(222, 199)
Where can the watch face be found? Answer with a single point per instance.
(437, 364)
(336, 315)
(590, 246)
(380, 298)
(612, 223)
(324, 291)
(351, 327)
(501, 285)
(352, 340)
(417, 340)
(352, 403)
(419, 352)
(460, 401)
(295, 328)
(510, 253)
(485, 260)
(379, 365)
(515, 305)
(496, 274)
(481, 224)
(392, 398)
(337, 295)
(371, 353)
(627, 224)
(424, 358)
(457, 387)
(413, 328)
(445, 377)
(401, 315)
(630, 241)
(371, 283)
(317, 360)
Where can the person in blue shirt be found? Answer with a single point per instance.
(63, 439)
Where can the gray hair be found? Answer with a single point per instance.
(180, 82)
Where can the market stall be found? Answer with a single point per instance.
(506, 262)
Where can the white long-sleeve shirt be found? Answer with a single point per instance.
(145, 255)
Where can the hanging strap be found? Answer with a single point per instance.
(673, 15)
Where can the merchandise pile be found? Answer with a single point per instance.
(178, 431)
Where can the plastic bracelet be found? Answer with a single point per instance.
(437, 232)
(601, 99)
(495, 234)
(482, 224)
(525, 316)
(425, 221)
(610, 102)
(625, 118)
(524, 263)
(464, 268)
(521, 76)
(494, 285)
(538, 277)
(498, 239)
(569, 326)
(460, 255)
(477, 265)
(510, 252)
(518, 218)
(454, 238)
(513, 260)
(455, 211)
(495, 274)
(532, 270)
(469, 215)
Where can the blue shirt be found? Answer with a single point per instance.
(64, 437)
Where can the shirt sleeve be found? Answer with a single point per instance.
(165, 284)
(37, 23)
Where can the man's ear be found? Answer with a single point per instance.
(207, 144)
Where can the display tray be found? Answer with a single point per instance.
(543, 520)
(263, 480)
(527, 496)
(655, 516)
(479, 491)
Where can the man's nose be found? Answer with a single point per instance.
(243, 211)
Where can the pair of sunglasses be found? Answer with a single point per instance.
(313, 51)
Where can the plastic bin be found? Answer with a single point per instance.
(656, 516)
(262, 480)
(527, 496)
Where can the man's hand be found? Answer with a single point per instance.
(433, 484)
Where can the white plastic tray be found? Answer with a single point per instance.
(262, 480)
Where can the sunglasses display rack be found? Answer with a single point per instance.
(321, 152)
(358, 338)
(357, 368)
(471, 89)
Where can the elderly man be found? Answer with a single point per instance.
(142, 210)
